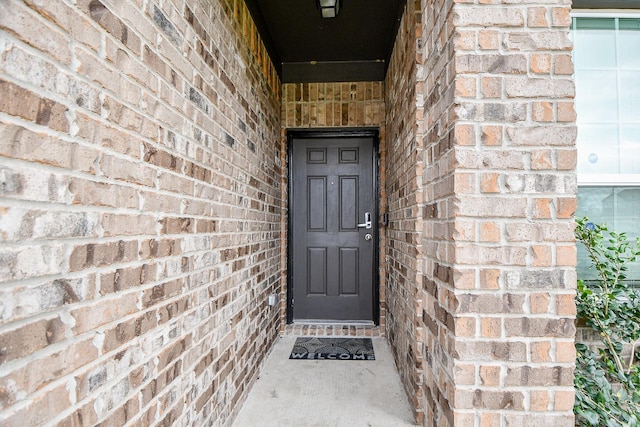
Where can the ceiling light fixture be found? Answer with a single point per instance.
(329, 8)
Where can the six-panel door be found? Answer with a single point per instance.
(332, 258)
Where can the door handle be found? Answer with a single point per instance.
(367, 221)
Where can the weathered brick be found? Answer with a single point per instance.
(98, 255)
(540, 400)
(161, 292)
(21, 143)
(111, 23)
(491, 135)
(561, 17)
(496, 207)
(491, 63)
(490, 419)
(539, 377)
(31, 261)
(516, 87)
(540, 327)
(537, 17)
(160, 248)
(44, 369)
(24, 24)
(539, 303)
(541, 135)
(540, 279)
(490, 375)
(492, 351)
(491, 327)
(534, 41)
(19, 224)
(565, 352)
(69, 20)
(31, 107)
(563, 64)
(30, 338)
(496, 400)
(84, 415)
(127, 225)
(540, 420)
(487, 17)
(489, 39)
(566, 255)
(104, 311)
(489, 278)
(490, 183)
(37, 410)
(491, 87)
(542, 255)
(23, 302)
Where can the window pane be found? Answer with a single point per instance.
(596, 96)
(595, 23)
(629, 42)
(630, 149)
(618, 208)
(629, 24)
(630, 95)
(595, 43)
(598, 149)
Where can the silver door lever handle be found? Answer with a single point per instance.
(367, 221)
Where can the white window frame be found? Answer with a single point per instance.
(606, 180)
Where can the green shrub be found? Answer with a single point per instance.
(608, 385)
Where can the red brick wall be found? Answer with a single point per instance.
(141, 210)
(404, 197)
(328, 105)
(499, 201)
(481, 194)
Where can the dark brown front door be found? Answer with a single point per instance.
(333, 218)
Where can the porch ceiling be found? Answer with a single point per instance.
(355, 46)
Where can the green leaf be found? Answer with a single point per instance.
(612, 309)
(591, 417)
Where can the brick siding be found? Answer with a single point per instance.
(481, 192)
(141, 211)
(500, 196)
(330, 105)
(404, 196)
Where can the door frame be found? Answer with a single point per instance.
(374, 134)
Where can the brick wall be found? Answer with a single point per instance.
(326, 105)
(141, 210)
(404, 196)
(499, 199)
(436, 100)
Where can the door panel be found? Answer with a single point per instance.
(317, 271)
(332, 265)
(317, 212)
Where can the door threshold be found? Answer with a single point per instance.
(333, 329)
(334, 322)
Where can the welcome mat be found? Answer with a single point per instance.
(333, 349)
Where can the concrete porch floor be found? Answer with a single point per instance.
(311, 393)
